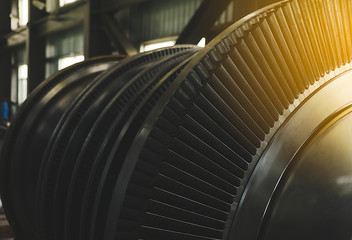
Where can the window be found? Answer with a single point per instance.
(64, 2)
(158, 43)
(165, 42)
(67, 61)
(152, 46)
(19, 74)
(201, 43)
(22, 83)
(19, 13)
(64, 49)
(54, 5)
(22, 12)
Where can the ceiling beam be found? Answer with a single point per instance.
(114, 6)
(118, 38)
(202, 21)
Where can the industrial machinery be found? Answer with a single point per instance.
(247, 138)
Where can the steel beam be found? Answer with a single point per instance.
(203, 20)
(5, 55)
(36, 51)
(114, 6)
(118, 38)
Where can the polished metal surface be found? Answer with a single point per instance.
(265, 182)
(313, 199)
(185, 143)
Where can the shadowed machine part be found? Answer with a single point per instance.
(248, 138)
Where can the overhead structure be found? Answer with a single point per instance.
(247, 138)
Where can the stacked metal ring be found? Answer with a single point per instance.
(162, 145)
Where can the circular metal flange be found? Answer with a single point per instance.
(265, 186)
(195, 156)
(36, 120)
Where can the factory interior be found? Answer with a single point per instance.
(175, 119)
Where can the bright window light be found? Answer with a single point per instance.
(22, 82)
(67, 61)
(64, 2)
(201, 43)
(23, 12)
(148, 47)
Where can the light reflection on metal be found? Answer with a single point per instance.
(189, 143)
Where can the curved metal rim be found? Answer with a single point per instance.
(318, 131)
(21, 118)
(252, 208)
(141, 135)
(118, 95)
(65, 124)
